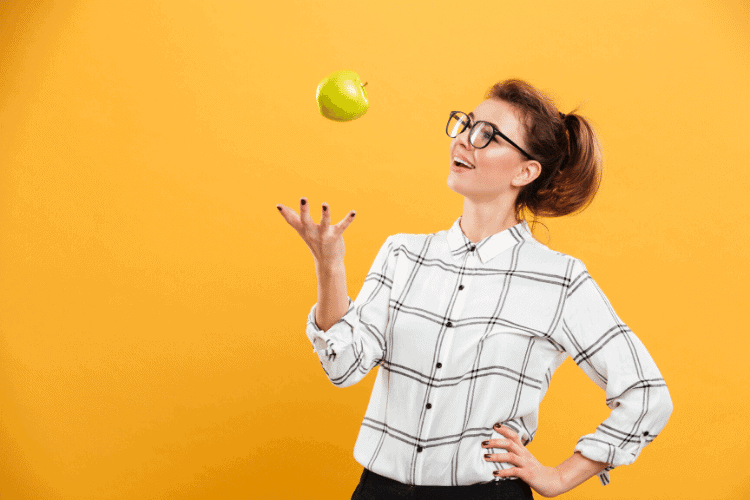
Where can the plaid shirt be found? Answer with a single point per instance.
(467, 335)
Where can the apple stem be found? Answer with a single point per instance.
(364, 84)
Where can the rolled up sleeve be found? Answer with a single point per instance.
(356, 343)
(618, 362)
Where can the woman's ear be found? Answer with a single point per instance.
(527, 172)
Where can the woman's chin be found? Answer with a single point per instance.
(457, 184)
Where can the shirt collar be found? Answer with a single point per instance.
(490, 246)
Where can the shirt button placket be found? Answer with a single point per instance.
(455, 313)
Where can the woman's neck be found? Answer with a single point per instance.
(480, 221)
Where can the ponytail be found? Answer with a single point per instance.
(564, 144)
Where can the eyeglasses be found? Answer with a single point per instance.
(481, 133)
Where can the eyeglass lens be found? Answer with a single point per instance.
(480, 134)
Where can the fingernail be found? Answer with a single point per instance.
(353, 214)
(485, 443)
(303, 201)
(498, 425)
(278, 208)
(487, 455)
(325, 208)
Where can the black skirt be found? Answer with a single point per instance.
(376, 487)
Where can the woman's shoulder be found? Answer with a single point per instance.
(539, 253)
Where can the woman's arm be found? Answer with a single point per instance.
(614, 358)
(347, 339)
(355, 342)
(333, 300)
(578, 469)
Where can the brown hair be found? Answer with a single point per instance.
(566, 147)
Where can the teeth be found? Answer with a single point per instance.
(459, 160)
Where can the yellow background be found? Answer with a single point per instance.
(153, 301)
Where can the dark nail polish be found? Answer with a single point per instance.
(487, 455)
(497, 426)
(279, 208)
(303, 201)
(485, 443)
(353, 214)
(325, 208)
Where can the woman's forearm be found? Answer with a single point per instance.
(333, 301)
(577, 469)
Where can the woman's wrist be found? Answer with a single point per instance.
(577, 469)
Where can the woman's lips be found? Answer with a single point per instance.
(459, 168)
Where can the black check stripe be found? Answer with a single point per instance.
(446, 440)
(467, 335)
(528, 274)
(479, 372)
(476, 432)
(600, 379)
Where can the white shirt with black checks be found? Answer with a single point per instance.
(467, 335)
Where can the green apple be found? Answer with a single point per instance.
(342, 97)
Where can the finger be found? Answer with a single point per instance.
(304, 212)
(508, 458)
(509, 433)
(510, 472)
(325, 219)
(346, 221)
(290, 216)
(505, 444)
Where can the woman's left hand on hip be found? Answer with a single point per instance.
(544, 480)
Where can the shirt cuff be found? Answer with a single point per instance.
(594, 448)
(326, 343)
(604, 476)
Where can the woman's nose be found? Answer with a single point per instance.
(463, 138)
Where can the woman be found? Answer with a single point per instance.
(469, 324)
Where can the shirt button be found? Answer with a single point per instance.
(472, 248)
(439, 365)
(460, 287)
(645, 433)
(429, 406)
(450, 324)
(419, 449)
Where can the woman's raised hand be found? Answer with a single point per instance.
(326, 242)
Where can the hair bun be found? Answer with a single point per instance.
(566, 147)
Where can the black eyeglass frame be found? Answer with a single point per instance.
(494, 130)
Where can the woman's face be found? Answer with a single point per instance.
(496, 166)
